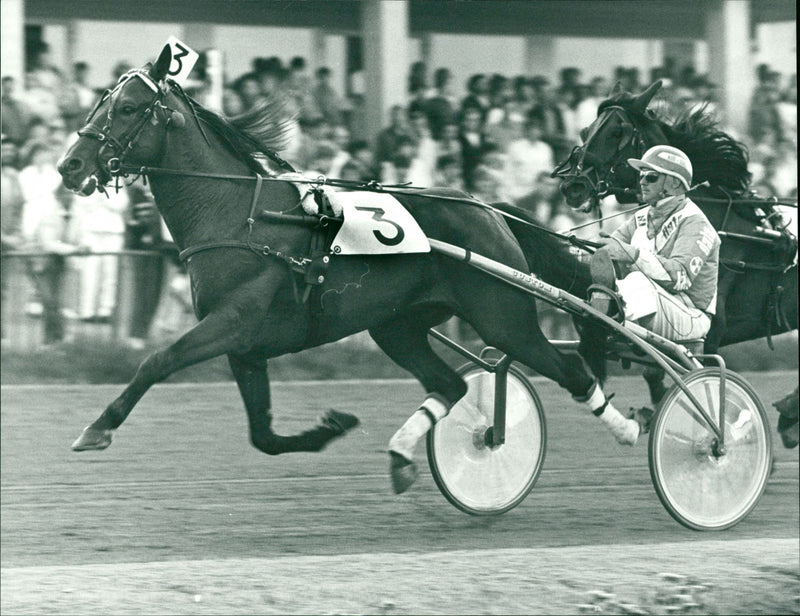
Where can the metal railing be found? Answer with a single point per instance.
(135, 294)
(149, 299)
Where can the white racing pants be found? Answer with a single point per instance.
(669, 315)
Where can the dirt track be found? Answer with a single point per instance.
(233, 531)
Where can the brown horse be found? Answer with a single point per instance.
(246, 270)
(757, 292)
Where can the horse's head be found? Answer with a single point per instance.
(599, 166)
(127, 126)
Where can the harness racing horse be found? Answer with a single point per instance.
(757, 289)
(246, 269)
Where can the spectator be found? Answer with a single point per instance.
(145, 274)
(232, 104)
(524, 94)
(401, 168)
(567, 101)
(38, 134)
(499, 92)
(528, 157)
(387, 143)
(312, 132)
(13, 114)
(586, 111)
(418, 88)
(298, 83)
(473, 144)
(418, 80)
(764, 124)
(787, 113)
(406, 152)
(448, 172)
(327, 100)
(449, 142)
(361, 156)
(322, 159)
(351, 172)
(547, 112)
(508, 128)
(427, 150)
(487, 183)
(341, 140)
(48, 224)
(248, 88)
(102, 223)
(120, 68)
(12, 202)
(41, 71)
(77, 98)
(440, 107)
(478, 96)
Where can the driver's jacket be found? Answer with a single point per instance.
(678, 249)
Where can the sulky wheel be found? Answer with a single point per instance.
(703, 486)
(478, 478)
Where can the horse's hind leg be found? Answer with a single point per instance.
(250, 371)
(519, 335)
(405, 340)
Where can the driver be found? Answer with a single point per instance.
(663, 261)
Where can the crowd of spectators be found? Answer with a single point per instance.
(499, 141)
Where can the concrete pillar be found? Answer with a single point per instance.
(12, 40)
(730, 60)
(385, 35)
(319, 50)
(199, 36)
(540, 57)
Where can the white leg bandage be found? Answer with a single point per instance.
(625, 430)
(432, 409)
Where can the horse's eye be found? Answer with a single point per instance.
(128, 109)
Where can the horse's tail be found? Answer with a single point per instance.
(593, 347)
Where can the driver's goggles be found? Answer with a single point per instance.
(650, 177)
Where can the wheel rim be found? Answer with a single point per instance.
(479, 478)
(705, 490)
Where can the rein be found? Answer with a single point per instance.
(401, 189)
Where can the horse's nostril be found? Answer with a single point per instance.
(70, 165)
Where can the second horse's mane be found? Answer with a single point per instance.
(717, 158)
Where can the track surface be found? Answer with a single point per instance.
(181, 483)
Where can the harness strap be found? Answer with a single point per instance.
(184, 254)
(259, 182)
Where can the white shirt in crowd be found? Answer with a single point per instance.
(525, 160)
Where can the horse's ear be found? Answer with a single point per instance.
(617, 89)
(643, 100)
(159, 71)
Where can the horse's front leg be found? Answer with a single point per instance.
(250, 371)
(218, 333)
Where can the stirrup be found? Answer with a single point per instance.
(618, 302)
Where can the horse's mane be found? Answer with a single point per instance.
(717, 158)
(263, 129)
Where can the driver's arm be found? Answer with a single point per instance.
(694, 241)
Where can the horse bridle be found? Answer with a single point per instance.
(120, 147)
(577, 171)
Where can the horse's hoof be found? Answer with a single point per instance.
(788, 431)
(643, 416)
(92, 439)
(403, 472)
(339, 422)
